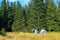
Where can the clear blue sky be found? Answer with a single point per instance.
(24, 2)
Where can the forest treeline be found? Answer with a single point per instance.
(38, 14)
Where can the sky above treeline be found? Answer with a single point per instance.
(24, 2)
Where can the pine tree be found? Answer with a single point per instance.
(0, 19)
(37, 14)
(26, 16)
(10, 16)
(52, 24)
(4, 12)
(3, 19)
(17, 17)
(31, 20)
(58, 16)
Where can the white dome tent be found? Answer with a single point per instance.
(42, 31)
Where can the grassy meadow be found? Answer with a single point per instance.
(31, 36)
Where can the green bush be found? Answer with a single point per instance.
(3, 32)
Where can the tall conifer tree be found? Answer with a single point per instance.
(4, 12)
(17, 17)
(37, 13)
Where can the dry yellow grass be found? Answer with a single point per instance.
(31, 36)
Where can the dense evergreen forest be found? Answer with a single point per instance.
(38, 14)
